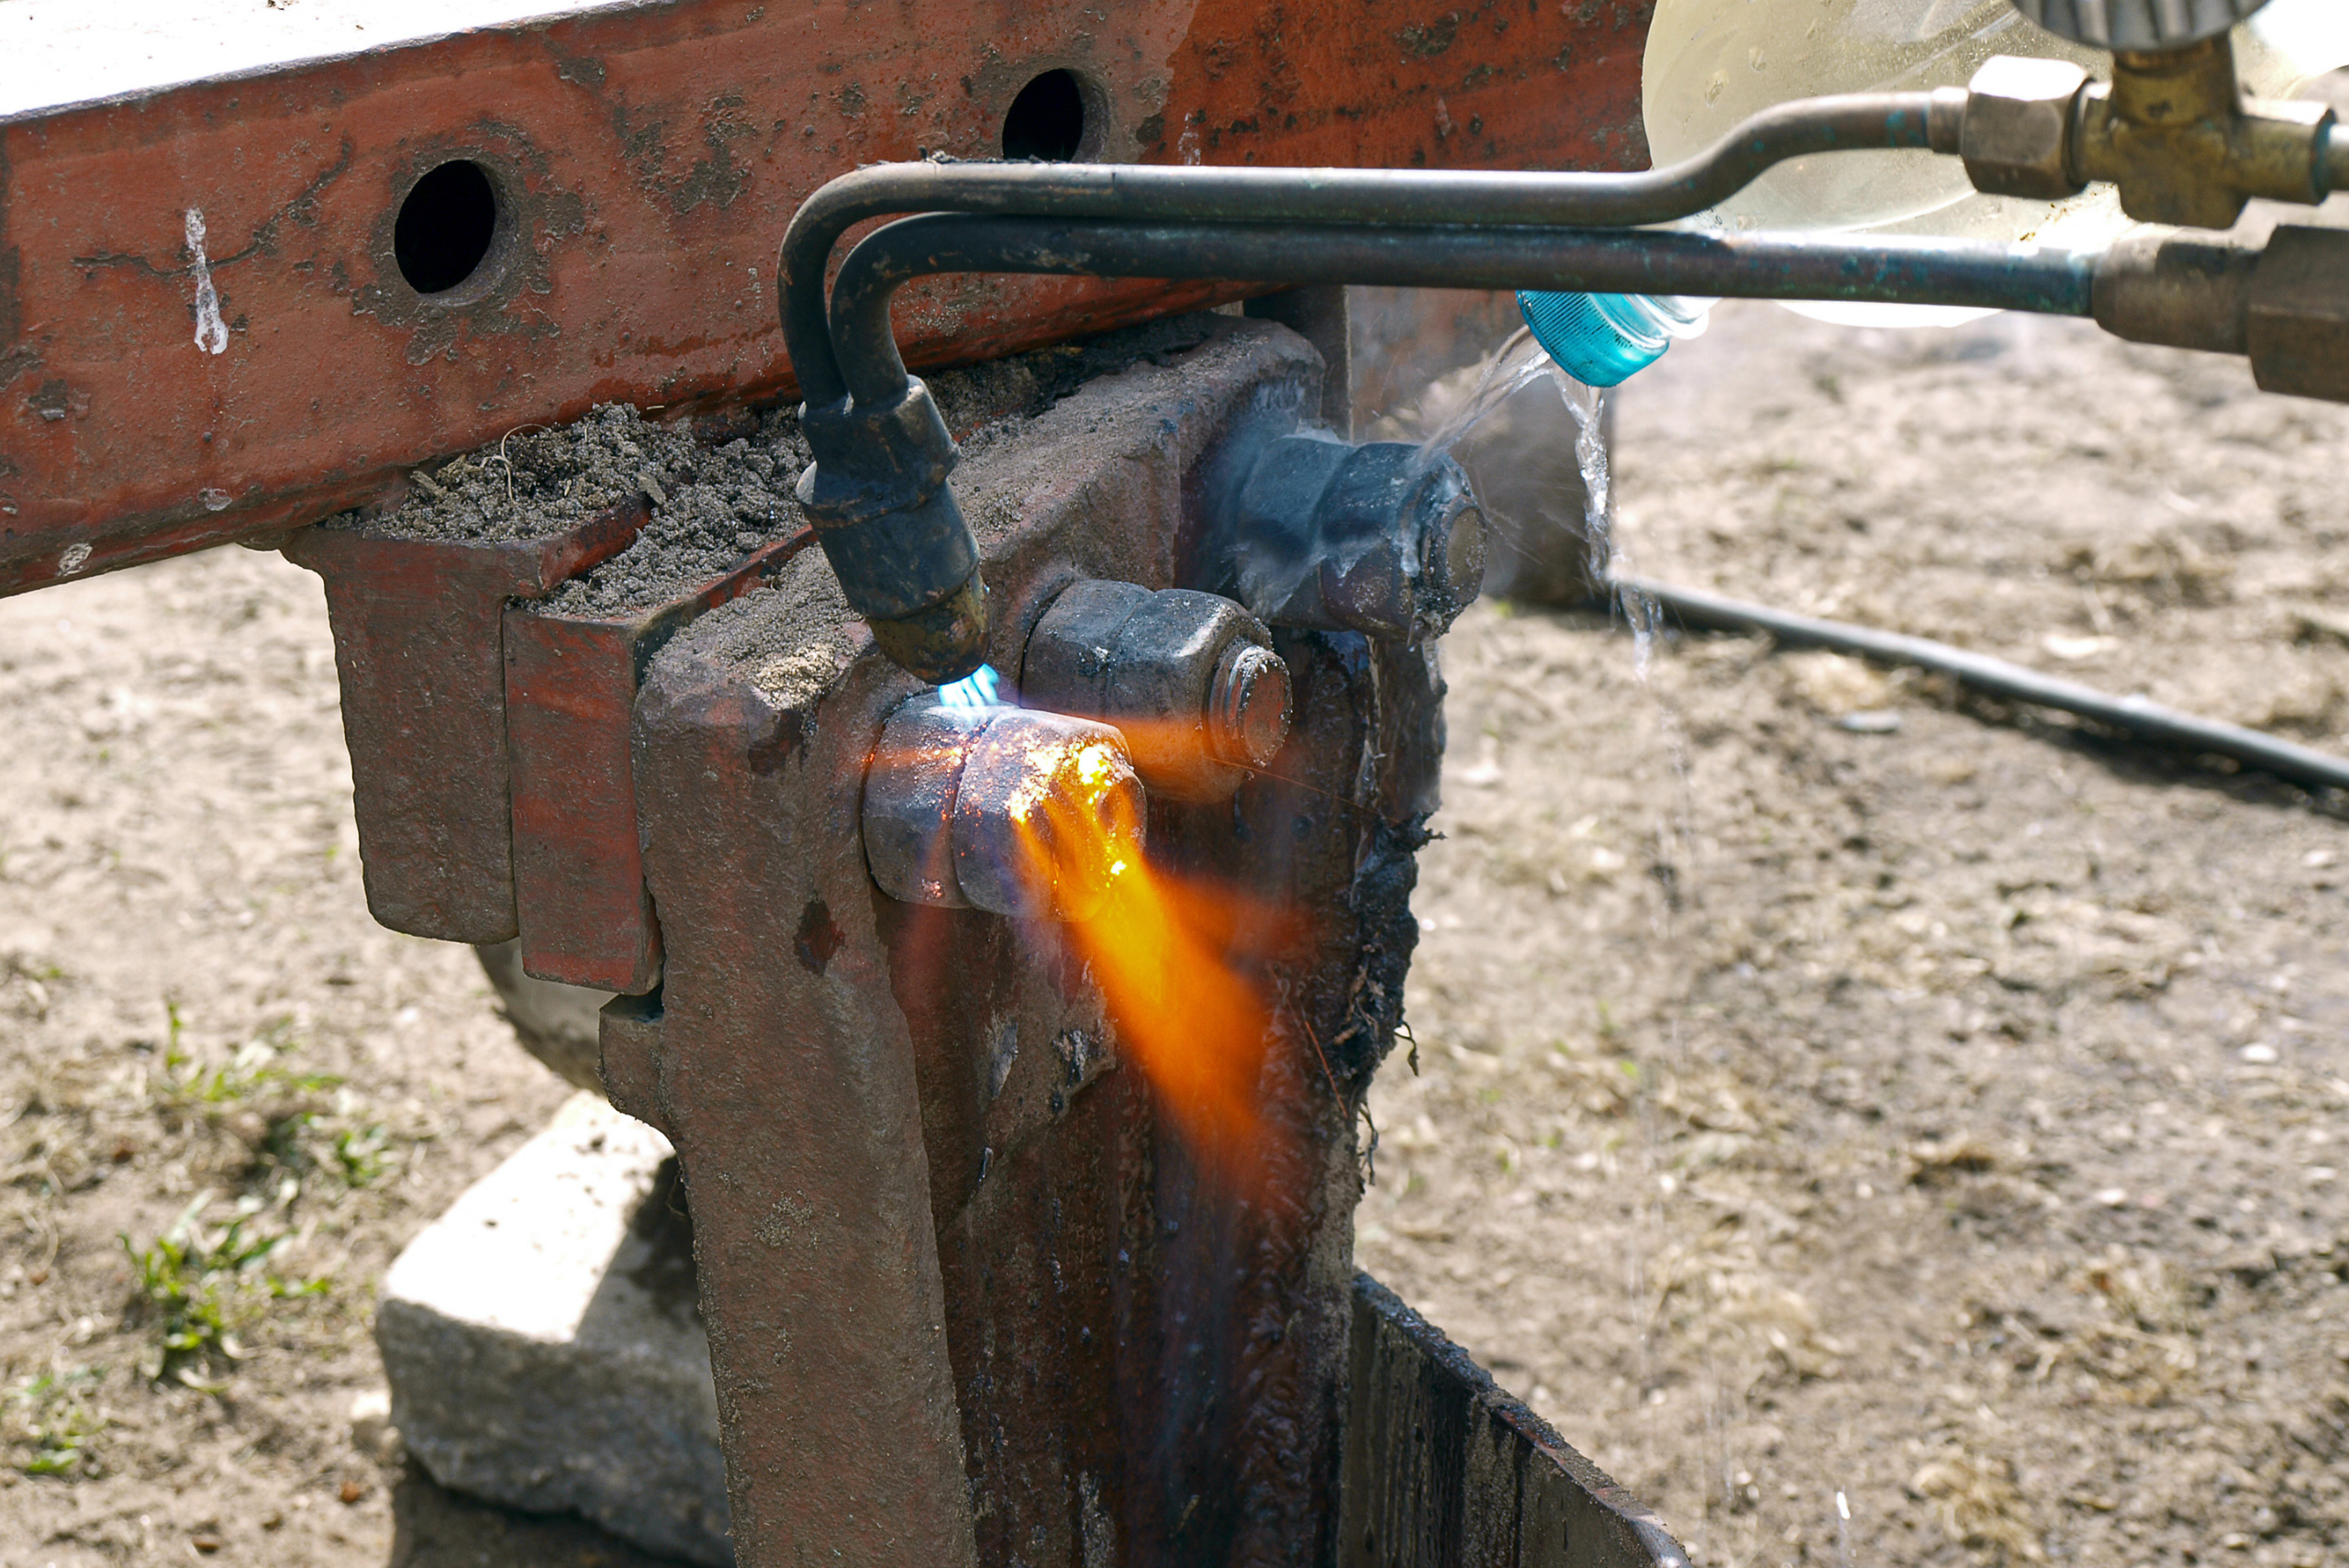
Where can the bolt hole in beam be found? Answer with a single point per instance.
(445, 226)
(1047, 120)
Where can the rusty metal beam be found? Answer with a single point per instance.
(205, 333)
(419, 643)
(570, 688)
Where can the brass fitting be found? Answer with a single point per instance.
(2017, 135)
(2283, 303)
(2175, 134)
(2298, 329)
(2172, 130)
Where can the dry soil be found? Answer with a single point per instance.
(1880, 1128)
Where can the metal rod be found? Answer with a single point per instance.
(2335, 164)
(2133, 716)
(1159, 192)
(1933, 271)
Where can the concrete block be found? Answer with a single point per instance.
(543, 1344)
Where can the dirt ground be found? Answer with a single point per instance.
(1942, 1119)
(196, 1013)
(1908, 1147)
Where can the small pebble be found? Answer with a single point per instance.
(2259, 1055)
(352, 1492)
(1871, 721)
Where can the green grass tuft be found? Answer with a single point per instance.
(54, 1420)
(252, 1073)
(203, 1287)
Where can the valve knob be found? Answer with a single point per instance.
(2137, 24)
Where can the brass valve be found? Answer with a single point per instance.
(2172, 130)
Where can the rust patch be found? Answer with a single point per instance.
(819, 937)
(54, 400)
(584, 70)
(15, 357)
(716, 177)
(20, 358)
(301, 210)
(1425, 40)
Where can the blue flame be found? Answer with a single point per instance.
(976, 689)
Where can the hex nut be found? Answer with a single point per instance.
(1008, 810)
(2017, 137)
(1162, 667)
(1250, 705)
(2298, 326)
(1369, 592)
(1048, 809)
(1379, 539)
(909, 809)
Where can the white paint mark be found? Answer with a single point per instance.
(76, 557)
(214, 500)
(211, 332)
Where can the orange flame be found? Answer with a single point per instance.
(1159, 948)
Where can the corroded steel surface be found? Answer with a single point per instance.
(1139, 1363)
(418, 649)
(977, 1291)
(1444, 1467)
(204, 333)
(571, 687)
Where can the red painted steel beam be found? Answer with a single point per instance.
(205, 333)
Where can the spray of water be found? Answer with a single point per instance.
(1520, 363)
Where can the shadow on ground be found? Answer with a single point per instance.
(435, 1527)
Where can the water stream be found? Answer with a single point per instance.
(1517, 364)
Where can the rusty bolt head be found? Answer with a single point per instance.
(1381, 538)
(1452, 558)
(1002, 809)
(1249, 708)
(1160, 666)
(909, 810)
(1371, 592)
(2017, 137)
